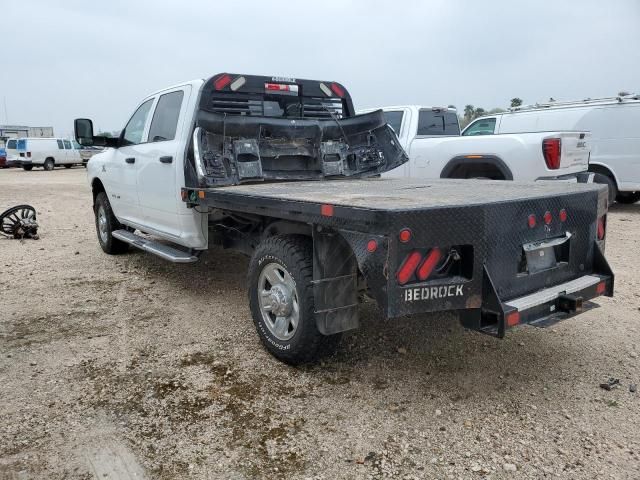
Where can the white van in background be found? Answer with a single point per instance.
(614, 124)
(47, 153)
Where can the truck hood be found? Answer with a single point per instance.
(234, 149)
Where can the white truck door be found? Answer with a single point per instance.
(157, 168)
(121, 175)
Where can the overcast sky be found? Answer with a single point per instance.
(73, 58)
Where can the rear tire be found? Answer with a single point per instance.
(49, 164)
(106, 223)
(28, 168)
(282, 303)
(609, 182)
(628, 197)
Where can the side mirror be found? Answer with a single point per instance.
(83, 129)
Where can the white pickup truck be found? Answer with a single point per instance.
(283, 170)
(431, 137)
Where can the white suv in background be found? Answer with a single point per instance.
(47, 153)
(614, 124)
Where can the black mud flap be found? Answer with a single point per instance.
(335, 283)
(542, 308)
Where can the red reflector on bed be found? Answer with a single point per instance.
(326, 210)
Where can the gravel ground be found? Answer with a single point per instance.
(131, 367)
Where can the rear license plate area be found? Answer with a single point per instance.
(544, 255)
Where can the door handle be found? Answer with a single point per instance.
(130, 160)
(167, 159)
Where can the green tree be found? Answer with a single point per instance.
(479, 112)
(516, 102)
(468, 112)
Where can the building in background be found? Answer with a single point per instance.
(16, 131)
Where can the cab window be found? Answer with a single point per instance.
(67, 144)
(133, 132)
(484, 126)
(437, 122)
(394, 118)
(165, 118)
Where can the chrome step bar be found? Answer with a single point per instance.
(551, 293)
(161, 250)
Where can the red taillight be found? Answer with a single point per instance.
(405, 235)
(532, 220)
(551, 151)
(602, 227)
(563, 215)
(429, 264)
(408, 267)
(547, 218)
(372, 246)
(600, 288)
(222, 82)
(326, 210)
(337, 89)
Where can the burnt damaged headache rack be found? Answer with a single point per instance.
(251, 128)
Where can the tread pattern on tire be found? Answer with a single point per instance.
(114, 246)
(296, 251)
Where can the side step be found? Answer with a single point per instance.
(161, 250)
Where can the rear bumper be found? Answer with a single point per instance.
(19, 163)
(579, 177)
(543, 307)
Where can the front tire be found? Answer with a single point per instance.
(28, 168)
(106, 223)
(49, 164)
(628, 197)
(282, 303)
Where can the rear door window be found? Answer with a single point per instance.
(394, 118)
(67, 144)
(484, 126)
(134, 130)
(60, 144)
(22, 144)
(165, 118)
(434, 122)
(12, 144)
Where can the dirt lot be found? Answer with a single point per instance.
(131, 367)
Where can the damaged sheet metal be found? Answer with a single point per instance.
(19, 222)
(233, 149)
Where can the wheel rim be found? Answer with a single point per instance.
(279, 303)
(102, 225)
(11, 219)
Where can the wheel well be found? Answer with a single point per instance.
(96, 187)
(50, 158)
(487, 166)
(283, 227)
(603, 171)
